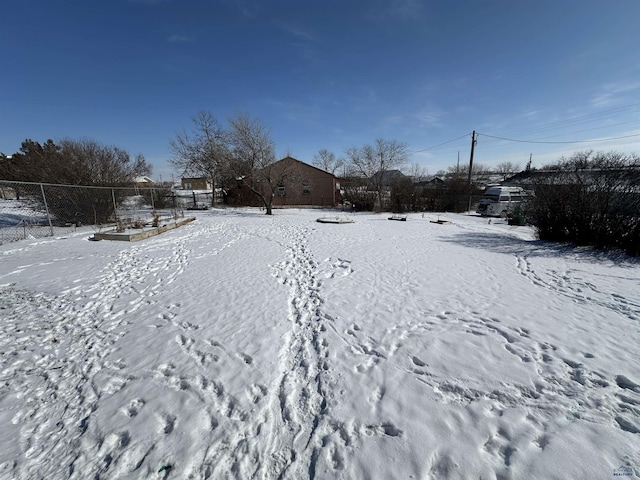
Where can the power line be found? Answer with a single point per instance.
(578, 120)
(581, 119)
(441, 144)
(591, 129)
(576, 141)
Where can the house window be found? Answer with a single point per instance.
(281, 190)
(306, 190)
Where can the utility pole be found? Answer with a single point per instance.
(473, 144)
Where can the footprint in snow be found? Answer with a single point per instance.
(256, 392)
(367, 365)
(165, 369)
(377, 394)
(247, 359)
(134, 406)
(189, 326)
(386, 429)
(166, 422)
(417, 362)
(114, 384)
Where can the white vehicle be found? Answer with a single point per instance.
(500, 201)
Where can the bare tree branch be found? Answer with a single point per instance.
(203, 152)
(254, 161)
(327, 161)
(374, 161)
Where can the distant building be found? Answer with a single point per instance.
(143, 181)
(303, 185)
(196, 183)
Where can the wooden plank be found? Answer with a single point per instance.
(134, 237)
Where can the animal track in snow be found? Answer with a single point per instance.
(246, 359)
(377, 394)
(133, 407)
(627, 384)
(338, 267)
(571, 284)
(368, 364)
(385, 429)
(200, 357)
(166, 422)
(416, 361)
(256, 392)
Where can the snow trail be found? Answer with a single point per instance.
(225, 349)
(290, 435)
(61, 360)
(299, 393)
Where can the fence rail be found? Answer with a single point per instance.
(36, 210)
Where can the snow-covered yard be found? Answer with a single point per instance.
(246, 346)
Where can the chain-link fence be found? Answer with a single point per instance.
(34, 210)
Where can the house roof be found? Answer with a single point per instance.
(143, 179)
(387, 177)
(290, 158)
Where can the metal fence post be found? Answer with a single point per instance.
(115, 205)
(46, 207)
(30, 209)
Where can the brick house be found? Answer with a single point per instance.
(302, 185)
(199, 183)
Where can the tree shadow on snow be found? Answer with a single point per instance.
(253, 212)
(510, 245)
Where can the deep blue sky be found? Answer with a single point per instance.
(326, 74)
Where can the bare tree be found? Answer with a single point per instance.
(373, 162)
(253, 162)
(507, 169)
(88, 162)
(459, 174)
(327, 161)
(203, 152)
(418, 173)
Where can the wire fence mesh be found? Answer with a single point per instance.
(36, 210)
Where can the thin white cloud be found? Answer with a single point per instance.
(297, 32)
(247, 8)
(431, 117)
(149, 2)
(179, 39)
(613, 94)
(412, 10)
(530, 114)
(303, 40)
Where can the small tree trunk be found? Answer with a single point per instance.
(269, 205)
(380, 206)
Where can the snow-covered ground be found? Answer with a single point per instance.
(247, 346)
